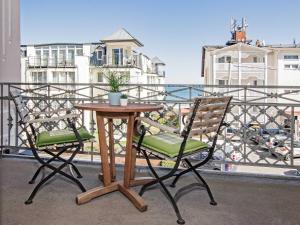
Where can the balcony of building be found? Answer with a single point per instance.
(46, 62)
(116, 61)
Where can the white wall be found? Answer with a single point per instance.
(10, 66)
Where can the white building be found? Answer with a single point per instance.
(89, 62)
(240, 63)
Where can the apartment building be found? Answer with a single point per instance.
(239, 62)
(89, 62)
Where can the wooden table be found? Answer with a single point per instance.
(110, 184)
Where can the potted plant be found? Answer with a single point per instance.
(115, 81)
(124, 100)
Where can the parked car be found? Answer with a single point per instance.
(233, 134)
(281, 149)
(264, 135)
(218, 156)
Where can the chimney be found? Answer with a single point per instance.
(240, 36)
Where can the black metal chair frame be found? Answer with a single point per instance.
(54, 155)
(181, 156)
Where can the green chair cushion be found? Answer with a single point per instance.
(169, 144)
(55, 137)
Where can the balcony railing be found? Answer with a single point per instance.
(245, 67)
(263, 126)
(45, 62)
(124, 61)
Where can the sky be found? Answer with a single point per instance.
(173, 30)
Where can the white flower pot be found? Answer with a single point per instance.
(124, 101)
(114, 98)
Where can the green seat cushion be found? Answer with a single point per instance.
(169, 144)
(60, 137)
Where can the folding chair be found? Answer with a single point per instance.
(53, 142)
(205, 119)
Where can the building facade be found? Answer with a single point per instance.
(90, 62)
(241, 63)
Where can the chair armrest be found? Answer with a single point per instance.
(67, 110)
(158, 125)
(55, 118)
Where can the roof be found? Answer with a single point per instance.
(156, 60)
(121, 35)
(214, 47)
(243, 47)
(60, 43)
(284, 45)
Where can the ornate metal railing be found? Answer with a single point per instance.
(262, 129)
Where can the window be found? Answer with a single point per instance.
(100, 77)
(79, 51)
(99, 55)
(38, 52)
(55, 77)
(39, 77)
(255, 82)
(63, 77)
(71, 77)
(117, 56)
(224, 59)
(291, 66)
(71, 54)
(221, 82)
(291, 57)
(255, 59)
(62, 56)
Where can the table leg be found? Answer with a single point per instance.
(133, 162)
(111, 149)
(103, 150)
(128, 156)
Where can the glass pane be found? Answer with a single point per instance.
(55, 77)
(71, 78)
(79, 51)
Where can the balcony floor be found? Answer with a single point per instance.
(241, 201)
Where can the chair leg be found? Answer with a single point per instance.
(159, 180)
(212, 200)
(32, 181)
(55, 171)
(177, 176)
(37, 187)
(64, 160)
(76, 170)
(173, 202)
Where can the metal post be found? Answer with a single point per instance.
(91, 120)
(190, 93)
(292, 132)
(1, 116)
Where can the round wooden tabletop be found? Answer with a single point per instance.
(131, 107)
